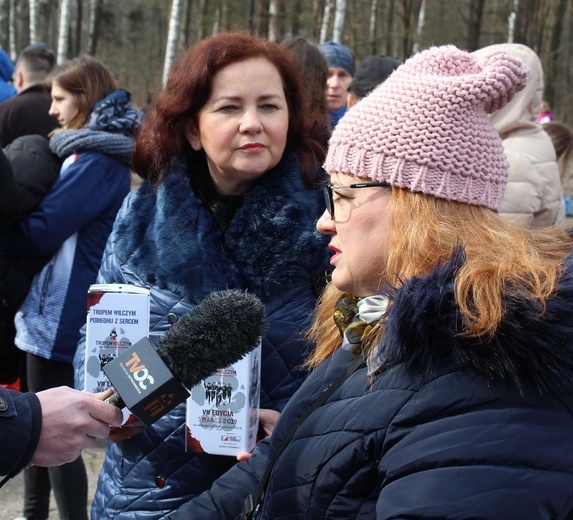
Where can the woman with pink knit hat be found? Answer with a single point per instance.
(443, 387)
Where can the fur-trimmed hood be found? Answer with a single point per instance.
(531, 348)
(172, 241)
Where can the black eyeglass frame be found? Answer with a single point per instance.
(329, 198)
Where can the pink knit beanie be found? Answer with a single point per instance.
(426, 127)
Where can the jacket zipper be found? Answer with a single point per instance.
(45, 288)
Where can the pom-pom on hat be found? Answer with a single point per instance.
(426, 127)
(338, 55)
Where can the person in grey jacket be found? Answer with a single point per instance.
(229, 161)
(534, 192)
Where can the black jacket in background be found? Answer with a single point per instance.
(27, 171)
(26, 114)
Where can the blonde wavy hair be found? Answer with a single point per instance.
(425, 231)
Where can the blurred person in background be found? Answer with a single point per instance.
(27, 113)
(372, 71)
(340, 71)
(314, 71)
(7, 89)
(561, 136)
(71, 224)
(534, 193)
(545, 114)
(33, 170)
(24, 127)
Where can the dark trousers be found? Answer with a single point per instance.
(69, 481)
(12, 359)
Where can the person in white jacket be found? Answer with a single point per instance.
(534, 191)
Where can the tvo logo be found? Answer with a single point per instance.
(139, 371)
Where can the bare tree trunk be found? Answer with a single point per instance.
(251, 16)
(373, 24)
(79, 23)
(12, 39)
(216, 19)
(420, 27)
(33, 21)
(539, 36)
(326, 20)
(263, 28)
(475, 19)
(93, 27)
(277, 20)
(511, 23)
(317, 12)
(554, 52)
(187, 28)
(203, 6)
(410, 10)
(174, 24)
(390, 48)
(296, 12)
(225, 22)
(531, 23)
(47, 27)
(339, 17)
(4, 24)
(64, 30)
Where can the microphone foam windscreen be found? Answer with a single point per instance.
(216, 333)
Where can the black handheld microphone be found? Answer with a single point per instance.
(216, 333)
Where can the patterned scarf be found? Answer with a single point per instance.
(111, 127)
(356, 317)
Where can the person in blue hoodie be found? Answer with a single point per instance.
(7, 90)
(71, 224)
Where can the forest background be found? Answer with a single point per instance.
(139, 39)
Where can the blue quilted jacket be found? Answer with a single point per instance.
(169, 241)
(448, 428)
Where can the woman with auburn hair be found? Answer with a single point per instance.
(229, 161)
(188, 89)
(68, 230)
(443, 375)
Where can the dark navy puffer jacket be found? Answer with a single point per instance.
(169, 241)
(449, 428)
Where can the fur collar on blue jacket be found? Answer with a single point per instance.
(171, 240)
(530, 349)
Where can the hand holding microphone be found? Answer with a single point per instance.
(216, 333)
(64, 435)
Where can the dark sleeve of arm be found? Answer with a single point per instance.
(226, 497)
(20, 427)
(8, 206)
(75, 198)
(35, 170)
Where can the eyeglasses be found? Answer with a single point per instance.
(329, 188)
